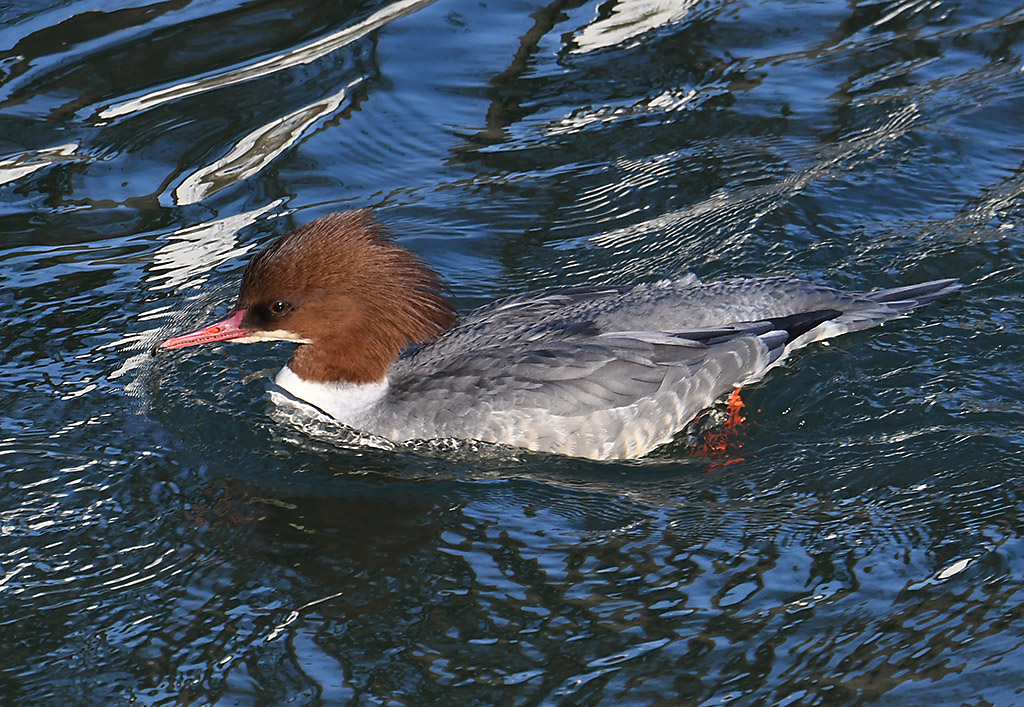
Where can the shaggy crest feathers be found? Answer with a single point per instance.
(345, 269)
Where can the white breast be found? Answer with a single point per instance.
(346, 402)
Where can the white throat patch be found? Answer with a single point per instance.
(346, 402)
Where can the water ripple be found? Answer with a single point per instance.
(254, 152)
(305, 54)
(171, 535)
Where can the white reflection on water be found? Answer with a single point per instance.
(188, 254)
(258, 149)
(303, 54)
(627, 21)
(23, 164)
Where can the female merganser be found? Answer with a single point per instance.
(599, 372)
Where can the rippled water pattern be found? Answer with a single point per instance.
(170, 536)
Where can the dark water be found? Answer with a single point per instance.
(167, 539)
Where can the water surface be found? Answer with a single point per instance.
(167, 537)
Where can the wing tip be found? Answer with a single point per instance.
(911, 296)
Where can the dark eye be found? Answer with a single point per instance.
(279, 308)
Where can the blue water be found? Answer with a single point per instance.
(167, 538)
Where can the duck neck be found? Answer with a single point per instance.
(355, 361)
(344, 401)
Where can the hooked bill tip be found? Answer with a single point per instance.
(224, 330)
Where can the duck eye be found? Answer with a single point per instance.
(280, 307)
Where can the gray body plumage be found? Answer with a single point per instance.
(609, 372)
